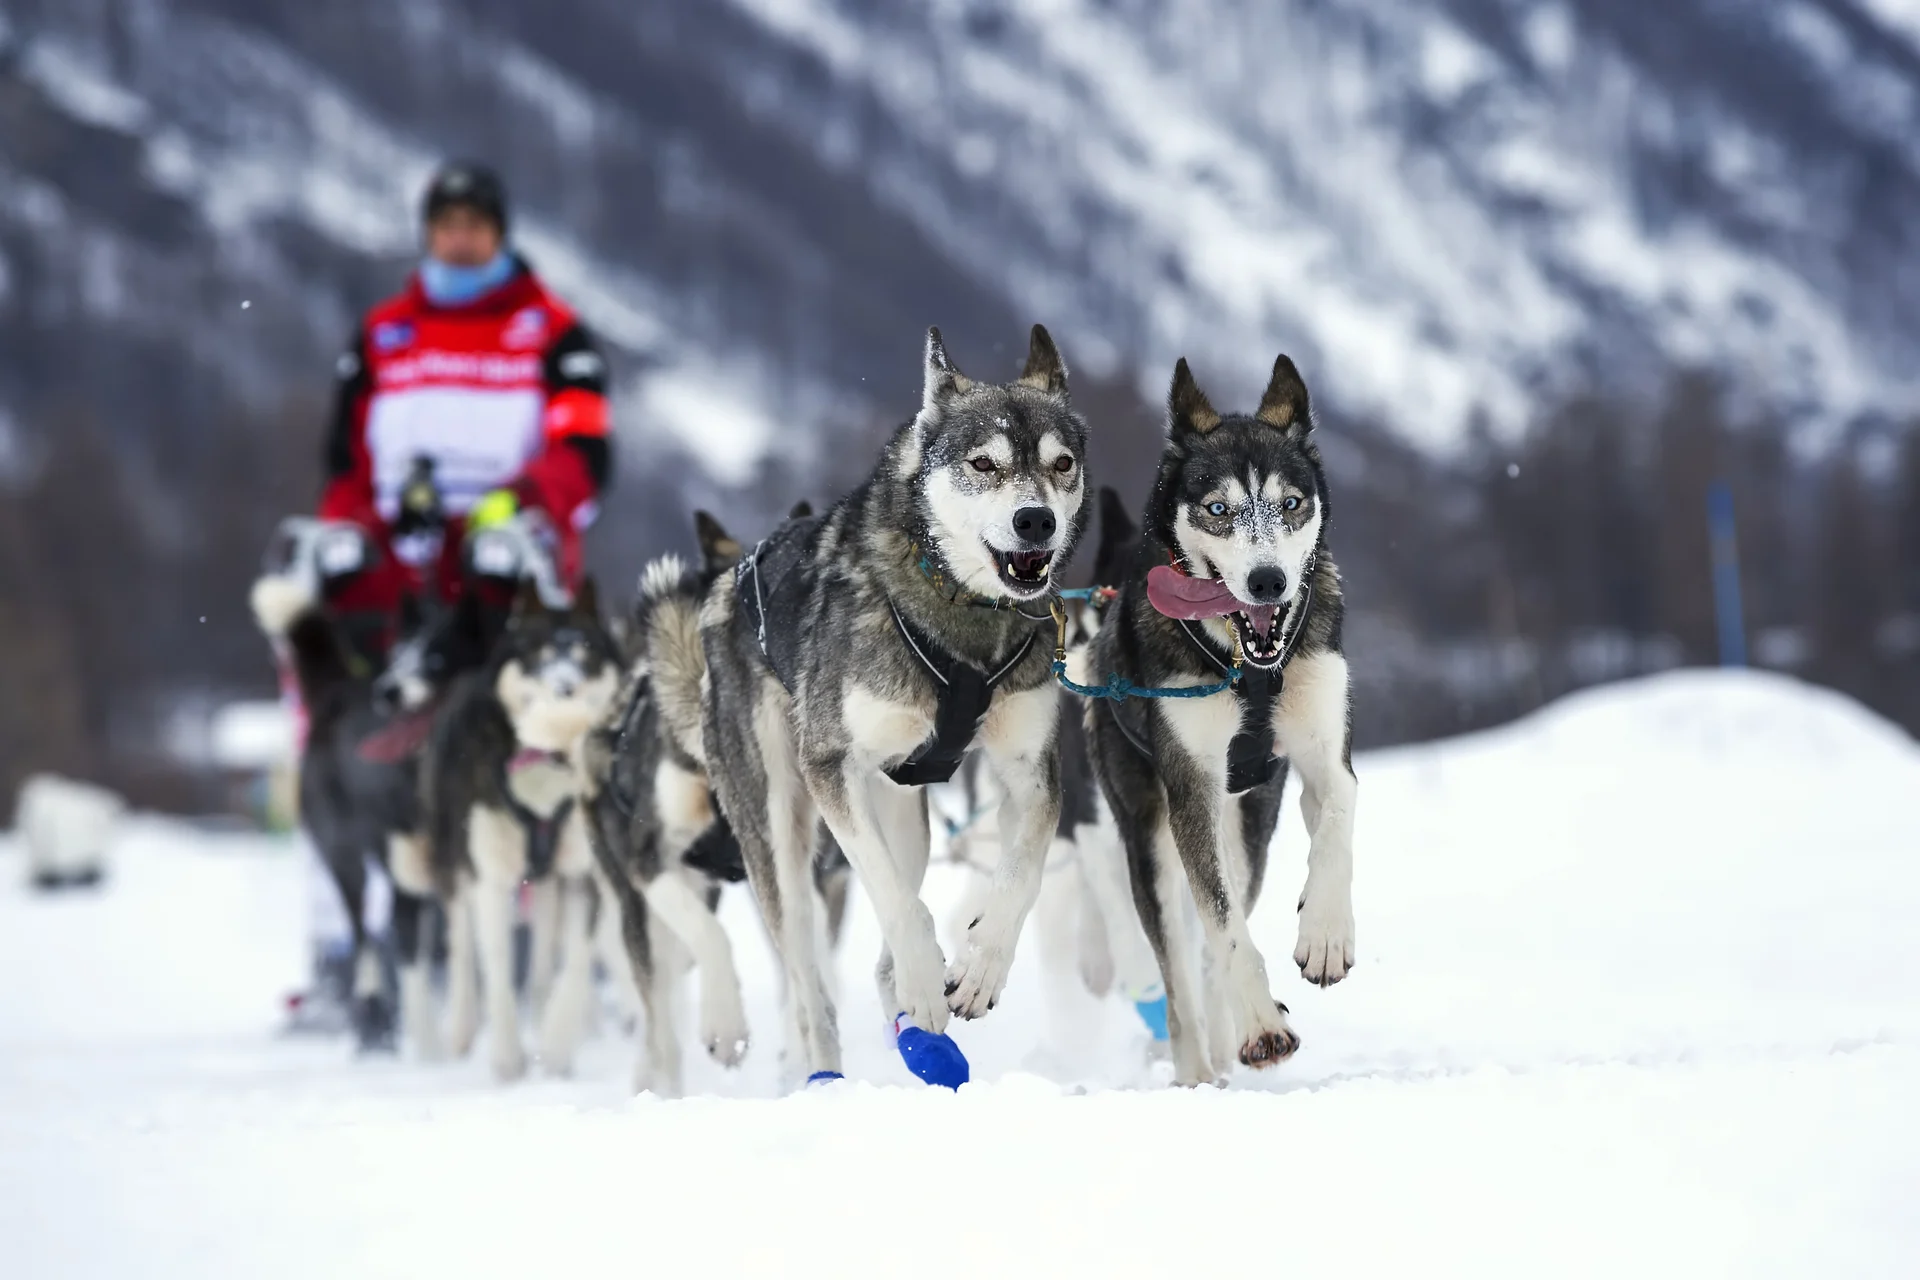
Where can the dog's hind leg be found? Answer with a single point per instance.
(499, 851)
(1160, 893)
(675, 902)
(1312, 726)
(786, 871)
(1103, 869)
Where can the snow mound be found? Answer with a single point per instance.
(1719, 716)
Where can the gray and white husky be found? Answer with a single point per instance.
(856, 656)
(1233, 565)
(649, 811)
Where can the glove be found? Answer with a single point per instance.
(493, 510)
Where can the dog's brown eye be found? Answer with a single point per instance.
(1063, 463)
(981, 463)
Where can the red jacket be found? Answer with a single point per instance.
(507, 391)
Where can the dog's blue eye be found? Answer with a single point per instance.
(1291, 504)
(1216, 508)
(981, 463)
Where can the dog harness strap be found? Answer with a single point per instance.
(771, 587)
(543, 836)
(964, 695)
(1250, 758)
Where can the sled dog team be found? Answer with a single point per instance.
(777, 712)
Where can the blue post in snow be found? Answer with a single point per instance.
(1726, 575)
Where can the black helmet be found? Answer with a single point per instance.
(470, 184)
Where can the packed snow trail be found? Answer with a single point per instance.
(1638, 993)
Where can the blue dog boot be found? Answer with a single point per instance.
(934, 1058)
(1154, 1014)
(823, 1077)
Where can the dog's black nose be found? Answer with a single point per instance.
(1034, 524)
(1267, 585)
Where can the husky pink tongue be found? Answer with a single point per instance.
(1179, 595)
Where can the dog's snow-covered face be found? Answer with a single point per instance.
(1246, 501)
(999, 471)
(560, 672)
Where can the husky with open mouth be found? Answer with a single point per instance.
(854, 659)
(1233, 589)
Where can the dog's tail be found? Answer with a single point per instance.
(301, 630)
(667, 623)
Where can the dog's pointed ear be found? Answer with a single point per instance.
(943, 380)
(1285, 403)
(718, 548)
(527, 603)
(586, 601)
(1045, 370)
(1187, 405)
(801, 510)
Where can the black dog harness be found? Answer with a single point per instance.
(772, 586)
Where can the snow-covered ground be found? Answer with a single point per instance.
(1639, 987)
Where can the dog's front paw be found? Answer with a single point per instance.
(509, 1059)
(723, 1029)
(977, 978)
(1270, 1041)
(918, 982)
(1325, 950)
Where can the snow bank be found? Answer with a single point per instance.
(1635, 991)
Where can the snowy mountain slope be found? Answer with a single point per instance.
(1446, 210)
(1634, 995)
(1446, 206)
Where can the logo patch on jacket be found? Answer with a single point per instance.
(528, 328)
(392, 335)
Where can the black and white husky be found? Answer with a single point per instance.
(855, 658)
(1233, 571)
(358, 769)
(498, 798)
